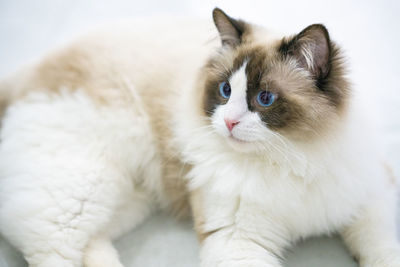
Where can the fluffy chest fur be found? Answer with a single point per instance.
(295, 198)
(267, 198)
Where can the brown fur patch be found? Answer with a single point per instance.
(196, 203)
(4, 100)
(173, 169)
(68, 70)
(175, 186)
(74, 69)
(77, 68)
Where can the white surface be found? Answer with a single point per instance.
(162, 241)
(367, 30)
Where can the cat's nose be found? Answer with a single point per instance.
(230, 124)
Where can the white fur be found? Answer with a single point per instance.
(69, 168)
(236, 107)
(66, 175)
(260, 204)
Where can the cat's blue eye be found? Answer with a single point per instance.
(225, 90)
(265, 98)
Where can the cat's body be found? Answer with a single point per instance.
(107, 136)
(100, 134)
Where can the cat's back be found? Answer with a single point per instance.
(106, 96)
(146, 53)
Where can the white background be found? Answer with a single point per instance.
(368, 31)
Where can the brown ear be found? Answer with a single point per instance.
(230, 30)
(312, 49)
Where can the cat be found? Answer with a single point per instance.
(256, 135)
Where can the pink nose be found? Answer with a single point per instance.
(230, 124)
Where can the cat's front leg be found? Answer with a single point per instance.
(226, 248)
(372, 236)
(226, 242)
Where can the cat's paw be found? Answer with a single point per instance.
(218, 251)
(390, 258)
(246, 263)
(243, 262)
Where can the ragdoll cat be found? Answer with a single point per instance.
(260, 134)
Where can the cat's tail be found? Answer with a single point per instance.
(4, 96)
(101, 253)
(12, 86)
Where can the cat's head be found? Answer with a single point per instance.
(258, 88)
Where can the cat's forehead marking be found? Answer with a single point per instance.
(237, 104)
(238, 82)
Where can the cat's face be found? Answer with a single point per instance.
(254, 92)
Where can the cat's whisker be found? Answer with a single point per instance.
(287, 146)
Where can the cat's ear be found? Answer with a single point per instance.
(312, 49)
(230, 30)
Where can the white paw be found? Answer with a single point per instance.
(225, 251)
(244, 263)
(101, 253)
(240, 262)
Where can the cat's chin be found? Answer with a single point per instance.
(239, 145)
